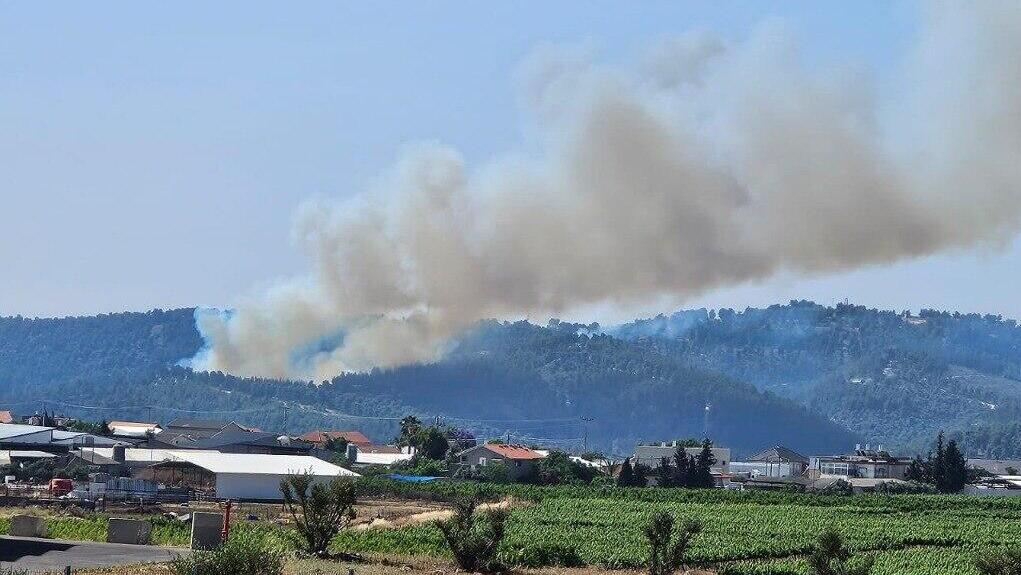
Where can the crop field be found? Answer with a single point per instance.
(743, 533)
(750, 533)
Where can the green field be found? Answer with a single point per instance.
(742, 532)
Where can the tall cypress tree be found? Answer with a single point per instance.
(664, 473)
(703, 476)
(955, 469)
(626, 478)
(682, 471)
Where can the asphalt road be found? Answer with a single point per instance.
(52, 555)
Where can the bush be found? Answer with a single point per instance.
(245, 553)
(830, 557)
(999, 562)
(473, 538)
(667, 547)
(319, 510)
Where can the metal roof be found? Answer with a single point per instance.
(260, 464)
(779, 454)
(9, 430)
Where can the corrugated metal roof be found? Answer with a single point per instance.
(8, 430)
(260, 464)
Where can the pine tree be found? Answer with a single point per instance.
(682, 471)
(955, 470)
(626, 478)
(703, 476)
(664, 473)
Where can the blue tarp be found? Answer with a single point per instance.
(411, 478)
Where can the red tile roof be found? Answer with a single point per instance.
(6, 417)
(513, 451)
(355, 437)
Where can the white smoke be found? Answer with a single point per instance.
(709, 164)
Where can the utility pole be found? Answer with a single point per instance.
(584, 423)
(705, 422)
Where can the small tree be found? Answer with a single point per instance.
(473, 537)
(830, 557)
(668, 546)
(319, 510)
(999, 563)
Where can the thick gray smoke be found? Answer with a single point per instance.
(707, 164)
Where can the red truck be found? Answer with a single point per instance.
(60, 487)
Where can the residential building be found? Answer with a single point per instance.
(519, 460)
(6, 417)
(133, 429)
(365, 455)
(320, 438)
(652, 454)
(237, 476)
(997, 466)
(863, 463)
(777, 461)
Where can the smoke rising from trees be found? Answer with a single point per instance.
(708, 163)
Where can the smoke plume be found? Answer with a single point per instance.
(708, 163)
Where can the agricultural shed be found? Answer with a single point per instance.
(244, 476)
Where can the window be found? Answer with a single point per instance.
(831, 468)
(482, 461)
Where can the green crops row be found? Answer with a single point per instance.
(743, 533)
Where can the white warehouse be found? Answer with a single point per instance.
(244, 476)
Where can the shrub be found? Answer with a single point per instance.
(667, 547)
(473, 538)
(245, 553)
(999, 562)
(319, 510)
(830, 557)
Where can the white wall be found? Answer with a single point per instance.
(251, 486)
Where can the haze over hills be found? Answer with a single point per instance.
(815, 378)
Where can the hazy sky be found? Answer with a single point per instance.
(151, 155)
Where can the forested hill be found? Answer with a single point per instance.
(534, 383)
(891, 377)
(816, 378)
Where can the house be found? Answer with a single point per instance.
(997, 466)
(238, 476)
(777, 461)
(231, 441)
(519, 460)
(364, 455)
(195, 429)
(320, 438)
(863, 463)
(652, 454)
(6, 417)
(133, 429)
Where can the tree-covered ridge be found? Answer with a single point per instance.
(534, 383)
(891, 377)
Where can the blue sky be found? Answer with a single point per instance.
(151, 155)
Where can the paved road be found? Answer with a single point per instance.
(49, 555)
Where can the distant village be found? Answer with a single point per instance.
(49, 456)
